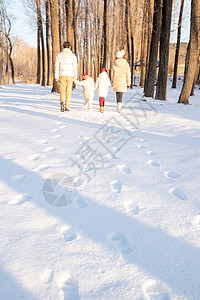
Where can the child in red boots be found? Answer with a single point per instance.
(102, 84)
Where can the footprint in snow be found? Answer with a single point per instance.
(116, 186)
(44, 141)
(18, 178)
(196, 222)
(156, 290)
(121, 243)
(78, 181)
(58, 123)
(47, 276)
(132, 207)
(153, 163)
(68, 233)
(48, 149)
(63, 126)
(178, 193)
(58, 136)
(124, 169)
(141, 146)
(69, 289)
(54, 130)
(80, 203)
(40, 168)
(35, 156)
(21, 198)
(172, 174)
(151, 153)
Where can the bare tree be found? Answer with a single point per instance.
(5, 31)
(151, 76)
(161, 89)
(178, 45)
(193, 53)
(49, 63)
(55, 38)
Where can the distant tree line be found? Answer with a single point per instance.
(97, 29)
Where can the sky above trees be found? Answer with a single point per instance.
(23, 27)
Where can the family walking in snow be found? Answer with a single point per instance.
(66, 74)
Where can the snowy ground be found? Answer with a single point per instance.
(132, 229)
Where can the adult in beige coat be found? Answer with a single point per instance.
(120, 76)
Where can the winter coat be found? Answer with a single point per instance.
(120, 75)
(88, 87)
(102, 84)
(66, 64)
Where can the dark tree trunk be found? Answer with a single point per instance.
(59, 24)
(178, 45)
(55, 39)
(151, 75)
(193, 53)
(132, 60)
(38, 43)
(43, 48)
(161, 89)
(104, 35)
(49, 71)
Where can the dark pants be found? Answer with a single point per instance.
(119, 96)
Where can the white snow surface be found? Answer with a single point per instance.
(132, 228)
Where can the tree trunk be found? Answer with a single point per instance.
(193, 53)
(69, 20)
(178, 45)
(151, 75)
(55, 39)
(60, 24)
(38, 43)
(161, 89)
(104, 36)
(144, 44)
(49, 70)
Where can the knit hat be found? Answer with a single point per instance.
(104, 70)
(85, 75)
(120, 54)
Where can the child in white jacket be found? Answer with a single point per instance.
(88, 90)
(102, 84)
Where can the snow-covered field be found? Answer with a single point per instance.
(132, 228)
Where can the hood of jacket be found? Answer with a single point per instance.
(103, 75)
(120, 62)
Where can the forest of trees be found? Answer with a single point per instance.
(97, 29)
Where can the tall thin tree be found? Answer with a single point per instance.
(161, 89)
(151, 75)
(193, 53)
(178, 45)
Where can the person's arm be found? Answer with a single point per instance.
(75, 67)
(96, 85)
(78, 82)
(56, 68)
(128, 75)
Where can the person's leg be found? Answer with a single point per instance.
(101, 101)
(69, 83)
(86, 102)
(62, 88)
(119, 101)
(90, 103)
(119, 96)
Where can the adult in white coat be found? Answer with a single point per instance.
(102, 84)
(66, 72)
